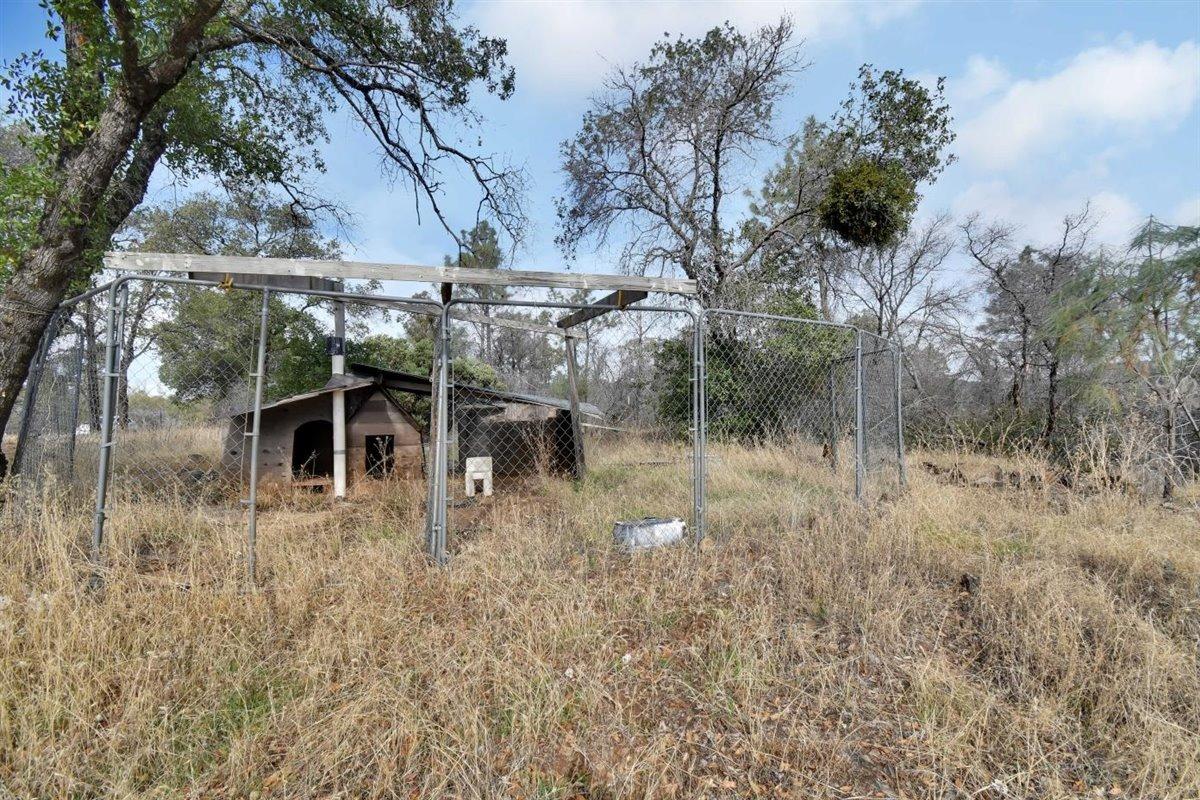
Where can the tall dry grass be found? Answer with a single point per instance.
(958, 640)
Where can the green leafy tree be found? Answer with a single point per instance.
(858, 177)
(204, 340)
(1158, 330)
(481, 250)
(238, 91)
(762, 377)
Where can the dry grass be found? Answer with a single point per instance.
(957, 641)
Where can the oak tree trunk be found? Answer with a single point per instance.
(40, 280)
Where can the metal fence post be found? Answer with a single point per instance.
(441, 462)
(114, 324)
(431, 461)
(859, 417)
(898, 361)
(260, 369)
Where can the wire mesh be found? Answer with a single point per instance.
(53, 419)
(185, 358)
(881, 432)
(607, 421)
(602, 418)
(780, 400)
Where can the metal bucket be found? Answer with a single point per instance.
(648, 533)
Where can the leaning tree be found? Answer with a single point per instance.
(232, 90)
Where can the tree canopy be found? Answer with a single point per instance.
(237, 92)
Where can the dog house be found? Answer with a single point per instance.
(296, 435)
(522, 434)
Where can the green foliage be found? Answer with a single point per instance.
(207, 346)
(415, 356)
(863, 168)
(480, 250)
(890, 118)
(868, 204)
(23, 182)
(245, 105)
(249, 222)
(1158, 324)
(759, 381)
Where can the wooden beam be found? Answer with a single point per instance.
(306, 267)
(621, 298)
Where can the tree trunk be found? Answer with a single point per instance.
(41, 277)
(40, 280)
(1169, 470)
(824, 294)
(1051, 400)
(91, 364)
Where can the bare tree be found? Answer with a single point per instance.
(668, 144)
(1026, 288)
(903, 287)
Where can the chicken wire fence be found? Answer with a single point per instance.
(215, 404)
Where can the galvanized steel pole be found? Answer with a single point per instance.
(114, 323)
(260, 369)
(443, 434)
(431, 460)
(698, 423)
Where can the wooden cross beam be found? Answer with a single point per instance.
(316, 268)
(463, 315)
(621, 298)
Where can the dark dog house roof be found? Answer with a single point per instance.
(364, 375)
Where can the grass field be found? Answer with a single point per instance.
(969, 638)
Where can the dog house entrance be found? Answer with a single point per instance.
(312, 449)
(381, 455)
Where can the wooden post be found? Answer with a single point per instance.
(576, 419)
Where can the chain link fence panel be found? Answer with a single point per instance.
(626, 415)
(599, 418)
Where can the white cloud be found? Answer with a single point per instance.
(1126, 88)
(565, 47)
(984, 76)
(1040, 217)
(1187, 212)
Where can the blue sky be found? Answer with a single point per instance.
(1055, 104)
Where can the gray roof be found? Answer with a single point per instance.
(363, 376)
(419, 384)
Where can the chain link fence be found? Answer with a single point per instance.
(600, 415)
(802, 403)
(211, 405)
